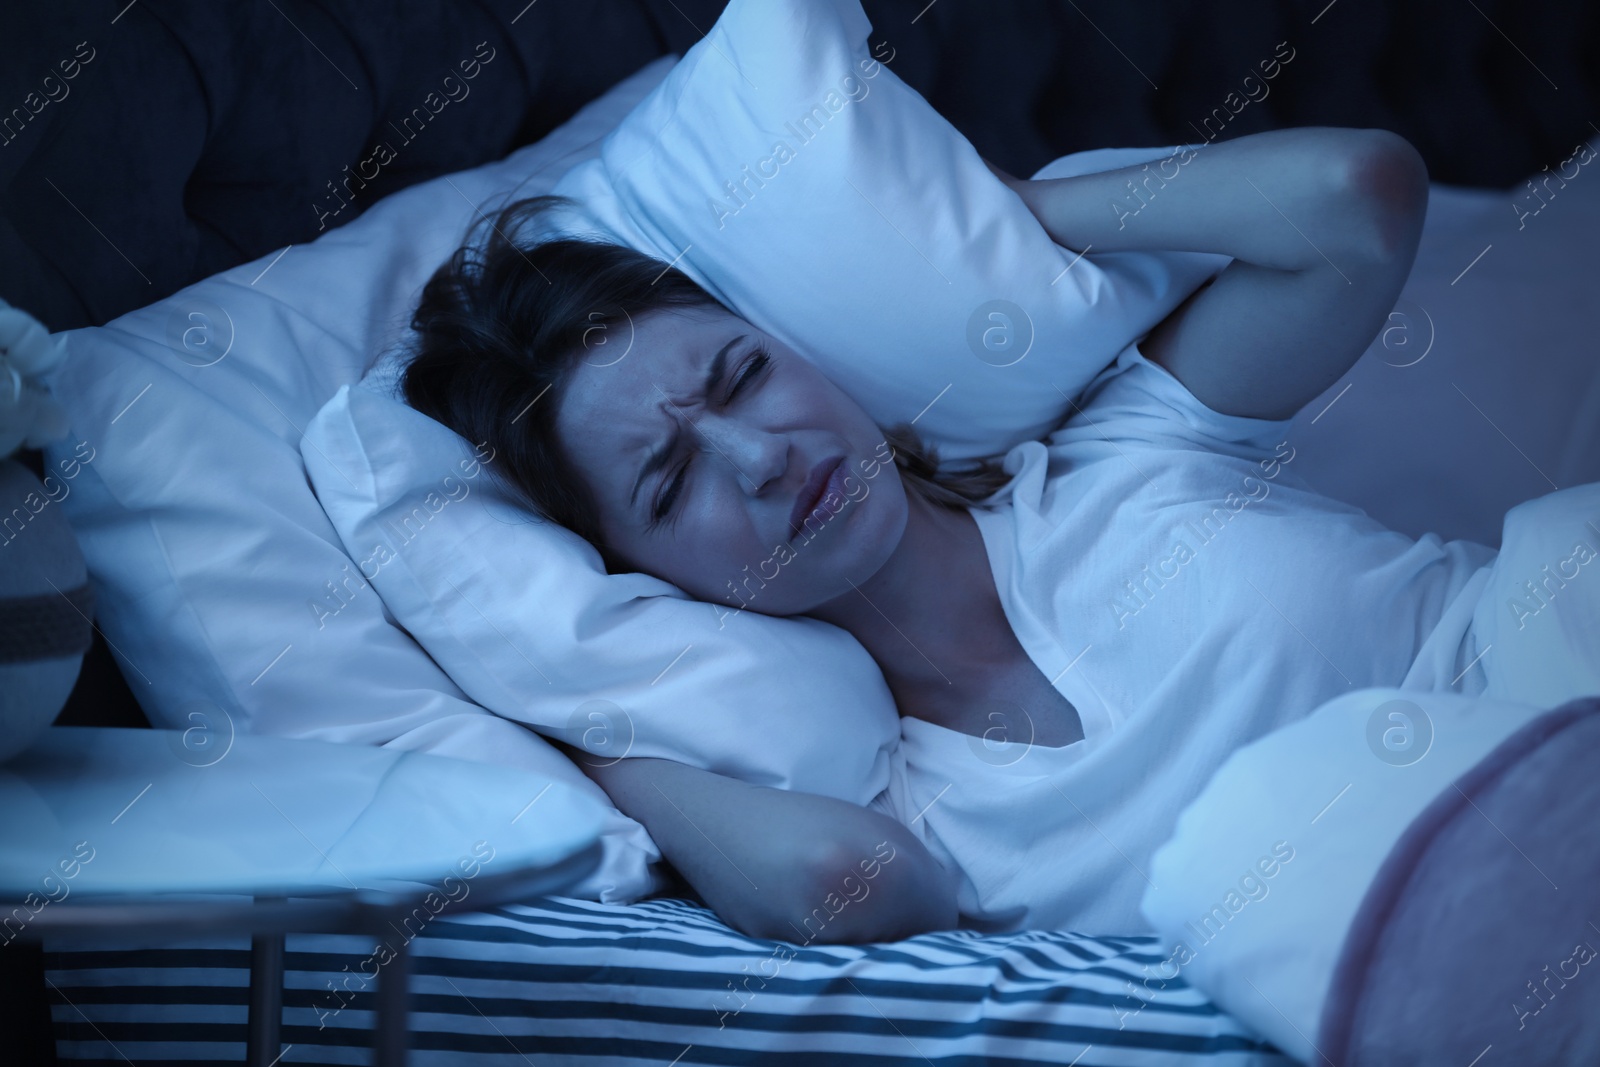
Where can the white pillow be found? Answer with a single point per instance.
(522, 614)
(801, 182)
(224, 592)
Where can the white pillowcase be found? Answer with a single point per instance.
(801, 182)
(522, 614)
(226, 596)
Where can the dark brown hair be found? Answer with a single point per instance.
(502, 323)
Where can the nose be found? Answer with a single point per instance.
(759, 457)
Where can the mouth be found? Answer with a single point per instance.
(810, 495)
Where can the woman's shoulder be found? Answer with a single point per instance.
(1137, 405)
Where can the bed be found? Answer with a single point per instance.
(661, 980)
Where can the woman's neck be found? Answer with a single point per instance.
(930, 616)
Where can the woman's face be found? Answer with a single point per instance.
(703, 455)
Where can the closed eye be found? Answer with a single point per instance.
(753, 366)
(664, 505)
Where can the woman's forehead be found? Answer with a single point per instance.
(671, 362)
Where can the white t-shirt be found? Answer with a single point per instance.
(1176, 580)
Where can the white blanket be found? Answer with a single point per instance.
(1335, 792)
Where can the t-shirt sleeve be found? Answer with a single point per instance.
(1135, 402)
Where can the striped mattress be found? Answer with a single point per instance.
(659, 981)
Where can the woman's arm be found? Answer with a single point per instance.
(778, 864)
(1322, 223)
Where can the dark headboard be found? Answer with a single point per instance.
(146, 145)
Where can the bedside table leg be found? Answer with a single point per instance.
(266, 1001)
(391, 1035)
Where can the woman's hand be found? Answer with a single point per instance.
(780, 864)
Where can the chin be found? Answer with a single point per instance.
(877, 533)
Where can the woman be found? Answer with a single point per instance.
(681, 441)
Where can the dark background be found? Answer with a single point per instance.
(201, 135)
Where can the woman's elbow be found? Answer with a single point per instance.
(1387, 182)
(886, 891)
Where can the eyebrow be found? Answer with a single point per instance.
(659, 457)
